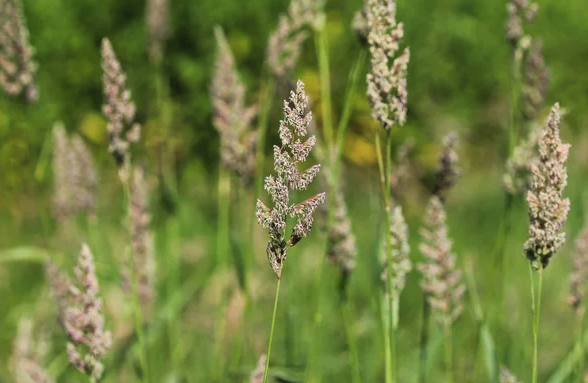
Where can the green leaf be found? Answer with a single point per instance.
(24, 254)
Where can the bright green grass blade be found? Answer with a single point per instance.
(24, 254)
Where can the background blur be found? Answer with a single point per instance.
(459, 79)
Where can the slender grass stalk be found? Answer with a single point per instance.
(423, 341)
(448, 348)
(137, 313)
(536, 314)
(385, 169)
(222, 255)
(351, 341)
(266, 106)
(269, 346)
(580, 348)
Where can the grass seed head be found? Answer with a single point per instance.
(548, 210)
(579, 275)
(295, 148)
(387, 88)
(449, 171)
(157, 20)
(401, 264)
(535, 82)
(118, 107)
(519, 12)
(506, 376)
(233, 119)
(442, 282)
(27, 356)
(17, 67)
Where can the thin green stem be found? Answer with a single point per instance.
(137, 313)
(266, 105)
(423, 342)
(351, 341)
(536, 312)
(269, 346)
(448, 346)
(321, 43)
(222, 253)
(514, 103)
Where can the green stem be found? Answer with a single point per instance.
(351, 341)
(266, 105)
(423, 342)
(449, 354)
(137, 313)
(321, 43)
(269, 346)
(222, 254)
(536, 311)
(514, 103)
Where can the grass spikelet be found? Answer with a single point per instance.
(448, 171)
(27, 356)
(17, 67)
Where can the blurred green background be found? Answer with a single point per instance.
(459, 79)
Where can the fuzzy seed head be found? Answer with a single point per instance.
(448, 171)
(233, 118)
(401, 264)
(579, 274)
(519, 167)
(17, 67)
(157, 20)
(118, 108)
(506, 376)
(548, 210)
(535, 82)
(387, 90)
(27, 356)
(519, 12)
(294, 149)
(441, 280)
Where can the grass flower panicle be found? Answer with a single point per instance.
(285, 44)
(74, 176)
(233, 119)
(387, 87)
(506, 376)
(535, 82)
(341, 246)
(118, 107)
(17, 67)
(83, 320)
(27, 356)
(448, 171)
(579, 275)
(401, 264)
(157, 19)
(360, 26)
(548, 209)
(441, 280)
(293, 128)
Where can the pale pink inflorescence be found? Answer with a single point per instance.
(285, 44)
(118, 107)
(506, 376)
(256, 375)
(579, 275)
(143, 255)
(27, 356)
(449, 170)
(441, 280)
(293, 129)
(548, 210)
(80, 312)
(17, 67)
(233, 119)
(157, 18)
(387, 88)
(401, 264)
(74, 176)
(519, 166)
(341, 246)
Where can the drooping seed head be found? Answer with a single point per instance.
(387, 90)
(295, 148)
(441, 280)
(17, 67)
(232, 118)
(548, 210)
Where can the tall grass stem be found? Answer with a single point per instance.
(269, 346)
